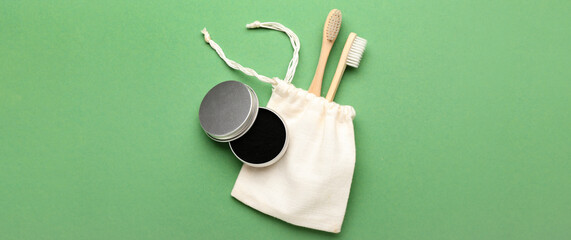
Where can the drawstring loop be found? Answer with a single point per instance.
(248, 71)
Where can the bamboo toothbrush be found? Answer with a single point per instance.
(330, 32)
(351, 55)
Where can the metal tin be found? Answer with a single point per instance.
(282, 151)
(228, 111)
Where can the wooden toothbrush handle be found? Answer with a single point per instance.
(340, 68)
(315, 86)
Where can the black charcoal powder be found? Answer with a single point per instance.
(264, 141)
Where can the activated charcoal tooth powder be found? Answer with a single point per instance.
(265, 142)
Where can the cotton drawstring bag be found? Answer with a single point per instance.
(310, 185)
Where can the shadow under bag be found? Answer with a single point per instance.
(310, 185)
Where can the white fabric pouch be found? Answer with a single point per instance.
(310, 185)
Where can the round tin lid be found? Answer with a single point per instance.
(228, 110)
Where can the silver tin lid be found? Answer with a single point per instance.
(228, 111)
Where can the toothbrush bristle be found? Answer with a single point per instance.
(356, 52)
(333, 25)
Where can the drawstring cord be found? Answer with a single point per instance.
(248, 71)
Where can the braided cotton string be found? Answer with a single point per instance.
(294, 43)
(248, 71)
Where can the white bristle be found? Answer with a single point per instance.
(356, 52)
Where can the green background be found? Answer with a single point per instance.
(463, 126)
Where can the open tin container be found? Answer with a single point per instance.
(230, 113)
